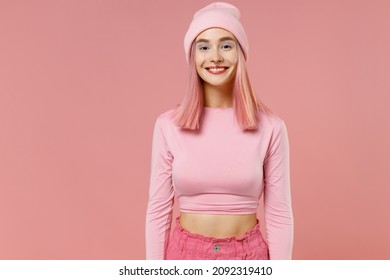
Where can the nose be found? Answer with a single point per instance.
(216, 55)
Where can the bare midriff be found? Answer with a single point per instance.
(218, 226)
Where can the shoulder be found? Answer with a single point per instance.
(166, 118)
(270, 120)
(274, 126)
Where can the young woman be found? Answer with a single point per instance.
(218, 153)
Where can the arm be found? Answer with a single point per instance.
(279, 222)
(160, 204)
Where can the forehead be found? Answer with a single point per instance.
(214, 34)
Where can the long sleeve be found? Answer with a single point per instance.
(161, 195)
(279, 222)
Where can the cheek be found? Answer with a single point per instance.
(198, 64)
(198, 61)
(198, 71)
(233, 57)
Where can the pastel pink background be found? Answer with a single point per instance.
(82, 82)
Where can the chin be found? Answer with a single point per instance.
(219, 82)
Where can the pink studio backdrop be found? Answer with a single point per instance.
(82, 82)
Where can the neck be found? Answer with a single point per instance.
(218, 96)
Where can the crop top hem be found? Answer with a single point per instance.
(216, 212)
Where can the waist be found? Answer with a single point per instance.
(218, 225)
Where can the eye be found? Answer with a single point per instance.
(226, 46)
(203, 47)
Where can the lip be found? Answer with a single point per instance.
(216, 70)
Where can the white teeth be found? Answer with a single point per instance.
(216, 69)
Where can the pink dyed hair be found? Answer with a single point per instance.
(246, 105)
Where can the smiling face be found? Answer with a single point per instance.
(216, 57)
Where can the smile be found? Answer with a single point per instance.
(216, 70)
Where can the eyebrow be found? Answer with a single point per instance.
(220, 40)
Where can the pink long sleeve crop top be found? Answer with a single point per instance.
(220, 169)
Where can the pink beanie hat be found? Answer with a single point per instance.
(217, 14)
